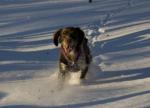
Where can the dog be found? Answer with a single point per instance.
(74, 51)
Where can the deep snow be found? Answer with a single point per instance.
(119, 39)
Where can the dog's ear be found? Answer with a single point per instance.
(81, 35)
(56, 37)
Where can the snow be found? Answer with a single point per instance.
(119, 38)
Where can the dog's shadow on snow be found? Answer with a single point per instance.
(97, 76)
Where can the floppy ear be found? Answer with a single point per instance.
(56, 37)
(81, 35)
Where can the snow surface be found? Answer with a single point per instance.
(119, 39)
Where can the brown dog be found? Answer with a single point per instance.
(74, 52)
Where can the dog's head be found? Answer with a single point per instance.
(70, 39)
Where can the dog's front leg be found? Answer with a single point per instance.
(84, 72)
(63, 71)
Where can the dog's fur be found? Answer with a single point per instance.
(74, 52)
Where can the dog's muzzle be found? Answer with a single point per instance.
(71, 54)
